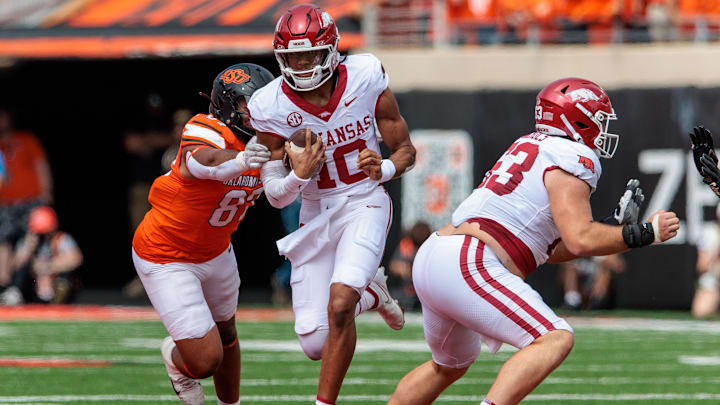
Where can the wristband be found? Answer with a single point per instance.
(638, 235)
(387, 169)
(656, 229)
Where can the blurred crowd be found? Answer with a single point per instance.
(37, 259)
(581, 21)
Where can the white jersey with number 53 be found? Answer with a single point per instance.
(346, 123)
(512, 198)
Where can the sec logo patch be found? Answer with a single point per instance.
(294, 119)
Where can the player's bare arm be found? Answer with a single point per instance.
(204, 162)
(627, 211)
(396, 136)
(705, 158)
(581, 236)
(275, 144)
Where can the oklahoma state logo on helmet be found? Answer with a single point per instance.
(236, 76)
(587, 163)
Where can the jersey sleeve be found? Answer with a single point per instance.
(198, 132)
(260, 105)
(576, 159)
(378, 79)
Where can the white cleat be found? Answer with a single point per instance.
(388, 308)
(188, 390)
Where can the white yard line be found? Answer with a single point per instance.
(311, 382)
(670, 396)
(595, 323)
(363, 345)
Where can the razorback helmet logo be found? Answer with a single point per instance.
(587, 163)
(236, 76)
(583, 95)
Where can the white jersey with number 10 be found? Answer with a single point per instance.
(346, 124)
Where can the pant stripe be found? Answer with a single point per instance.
(508, 293)
(470, 280)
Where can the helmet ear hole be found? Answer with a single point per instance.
(581, 125)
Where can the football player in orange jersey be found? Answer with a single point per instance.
(182, 251)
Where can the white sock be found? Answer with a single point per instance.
(228, 403)
(167, 357)
(367, 301)
(319, 402)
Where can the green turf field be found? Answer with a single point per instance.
(623, 361)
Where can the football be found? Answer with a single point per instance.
(297, 143)
(297, 139)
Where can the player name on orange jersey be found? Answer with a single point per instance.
(242, 181)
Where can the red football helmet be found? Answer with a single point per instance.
(307, 28)
(580, 110)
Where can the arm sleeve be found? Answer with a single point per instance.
(281, 188)
(224, 171)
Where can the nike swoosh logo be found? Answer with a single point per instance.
(347, 103)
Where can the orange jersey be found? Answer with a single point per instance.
(23, 153)
(191, 220)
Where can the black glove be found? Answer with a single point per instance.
(706, 161)
(628, 208)
(710, 173)
(702, 144)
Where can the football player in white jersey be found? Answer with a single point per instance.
(346, 213)
(532, 207)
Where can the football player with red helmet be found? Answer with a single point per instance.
(345, 211)
(532, 207)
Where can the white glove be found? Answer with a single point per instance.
(628, 208)
(254, 155)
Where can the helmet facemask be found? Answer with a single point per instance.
(324, 64)
(605, 143)
(226, 108)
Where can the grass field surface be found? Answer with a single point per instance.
(635, 358)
